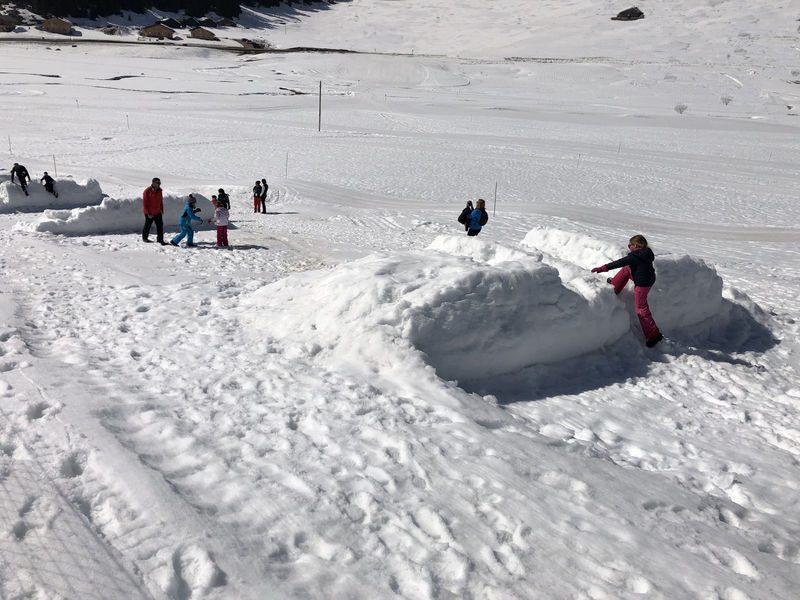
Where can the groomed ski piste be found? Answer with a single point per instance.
(359, 401)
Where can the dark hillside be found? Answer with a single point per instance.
(94, 8)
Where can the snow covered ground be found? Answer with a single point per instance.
(358, 401)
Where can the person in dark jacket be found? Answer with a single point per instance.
(223, 199)
(257, 196)
(477, 218)
(463, 218)
(49, 184)
(637, 265)
(153, 209)
(22, 173)
(264, 188)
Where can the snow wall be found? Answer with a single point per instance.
(472, 308)
(71, 194)
(115, 215)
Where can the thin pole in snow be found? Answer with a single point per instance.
(319, 123)
(286, 173)
(494, 210)
(128, 121)
(619, 147)
(9, 145)
(55, 168)
(579, 161)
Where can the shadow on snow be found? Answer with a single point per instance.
(731, 338)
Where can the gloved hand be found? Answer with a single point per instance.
(602, 269)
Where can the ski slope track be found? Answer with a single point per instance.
(359, 401)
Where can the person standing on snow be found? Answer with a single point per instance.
(221, 219)
(187, 216)
(256, 196)
(22, 173)
(223, 199)
(477, 218)
(49, 184)
(263, 196)
(463, 218)
(637, 265)
(153, 208)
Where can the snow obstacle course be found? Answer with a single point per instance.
(71, 194)
(117, 215)
(477, 309)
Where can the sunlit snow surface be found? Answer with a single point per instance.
(359, 401)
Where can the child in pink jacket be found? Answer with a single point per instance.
(221, 217)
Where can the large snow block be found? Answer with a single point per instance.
(115, 215)
(71, 194)
(467, 307)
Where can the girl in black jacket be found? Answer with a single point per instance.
(637, 265)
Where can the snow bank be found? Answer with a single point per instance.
(115, 215)
(71, 194)
(473, 308)
(686, 292)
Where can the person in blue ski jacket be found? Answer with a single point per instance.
(477, 218)
(187, 216)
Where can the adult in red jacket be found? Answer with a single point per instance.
(153, 208)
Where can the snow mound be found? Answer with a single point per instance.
(472, 308)
(686, 292)
(116, 215)
(71, 194)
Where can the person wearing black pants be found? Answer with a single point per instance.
(263, 196)
(153, 209)
(22, 173)
(49, 184)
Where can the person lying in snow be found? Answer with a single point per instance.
(637, 265)
(187, 216)
(49, 184)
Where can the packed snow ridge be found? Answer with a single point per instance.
(473, 308)
(71, 194)
(82, 208)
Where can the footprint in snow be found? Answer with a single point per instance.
(20, 530)
(736, 562)
(72, 465)
(788, 551)
(433, 524)
(37, 410)
(194, 574)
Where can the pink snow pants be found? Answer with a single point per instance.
(646, 320)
